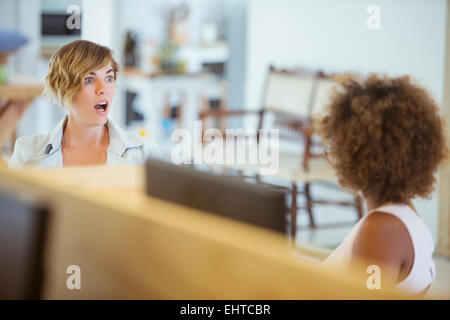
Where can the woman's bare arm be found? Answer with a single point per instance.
(382, 240)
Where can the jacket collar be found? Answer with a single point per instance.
(53, 158)
(119, 139)
(53, 143)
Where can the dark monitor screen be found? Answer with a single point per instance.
(227, 196)
(56, 25)
(22, 232)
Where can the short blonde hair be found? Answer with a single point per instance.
(70, 64)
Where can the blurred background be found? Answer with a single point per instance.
(181, 57)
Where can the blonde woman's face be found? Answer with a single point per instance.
(92, 103)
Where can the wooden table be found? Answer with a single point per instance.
(15, 98)
(131, 246)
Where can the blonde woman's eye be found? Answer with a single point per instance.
(88, 80)
(110, 79)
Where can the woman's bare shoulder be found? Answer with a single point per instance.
(383, 237)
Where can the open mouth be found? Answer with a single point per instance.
(102, 106)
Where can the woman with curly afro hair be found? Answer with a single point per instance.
(386, 140)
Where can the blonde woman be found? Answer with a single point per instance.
(81, 78)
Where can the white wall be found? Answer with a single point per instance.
(332, 35)
(98, 21)
(237, 13)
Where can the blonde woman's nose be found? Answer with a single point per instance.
(100, 88)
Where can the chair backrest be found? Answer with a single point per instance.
(289, 92)
(322, 92)
(289, 126)
(287, 102)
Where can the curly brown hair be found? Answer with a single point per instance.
(385, 136)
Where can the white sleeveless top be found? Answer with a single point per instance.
(423, 268)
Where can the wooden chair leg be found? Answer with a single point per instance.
(312, 224)
(306, 153)
(294, 209)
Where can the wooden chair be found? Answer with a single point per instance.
(288, 102)
(314, 149)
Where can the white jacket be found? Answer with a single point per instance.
(44, 150)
